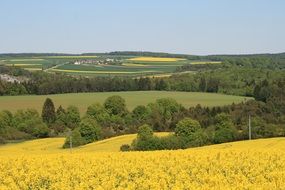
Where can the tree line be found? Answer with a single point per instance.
(194, 126)
(234, 81)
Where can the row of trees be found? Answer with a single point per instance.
(213, 125)
(233, 80)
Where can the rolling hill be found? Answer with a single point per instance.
(54, 145)
(133, 99)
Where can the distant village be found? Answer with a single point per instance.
(107, 61)
(12, 79)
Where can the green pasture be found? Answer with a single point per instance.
(133, 99)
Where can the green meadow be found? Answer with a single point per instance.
(133, 99)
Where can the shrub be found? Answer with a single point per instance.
(224, 129)
(2, 140)
(30, 122)
(173, 142)
(187, 127)
(125, 147)
(144, 132)
(76, 138)
(152, 143)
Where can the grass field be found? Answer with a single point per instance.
(40, 164)
(133, 99)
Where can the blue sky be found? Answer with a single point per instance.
(179, 26)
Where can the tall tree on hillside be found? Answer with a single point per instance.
(115, 105)
(48, 112)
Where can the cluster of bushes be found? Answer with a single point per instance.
(187, 133)
(24, 124)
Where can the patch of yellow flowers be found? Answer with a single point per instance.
(242, 165)
(154, 59)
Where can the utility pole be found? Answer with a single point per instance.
(249, 127)
(70, 140)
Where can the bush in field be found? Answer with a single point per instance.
(90, 130)
(76, 139)
(224, 129)
(2, 140)
(172, 142)
(191, 133)
(145, 139)
(145, 132)
(123, 148)
(187, 127)
(188, 133)
(30, 122)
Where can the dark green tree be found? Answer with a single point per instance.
(48, 112)
(98, 112)
(140, 113)
(187, 127)
(224, 129)
(90, 130)
(115, 105)
(72, 117)
(145, 132)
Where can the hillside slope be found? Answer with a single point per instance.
(54, 145)
(41, 164)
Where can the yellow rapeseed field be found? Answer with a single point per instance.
(158, 59)
(257, 164)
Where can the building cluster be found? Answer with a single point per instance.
(13, 79)
(107, 61)
(9, 78)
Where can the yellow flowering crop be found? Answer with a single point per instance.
(154, 59)
(258, 164)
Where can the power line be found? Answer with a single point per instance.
(249, 127)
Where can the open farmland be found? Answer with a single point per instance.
(256, 164)
(156, 59)
(91, 65)
(133, 99)
(125, 66)
(138, 66)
